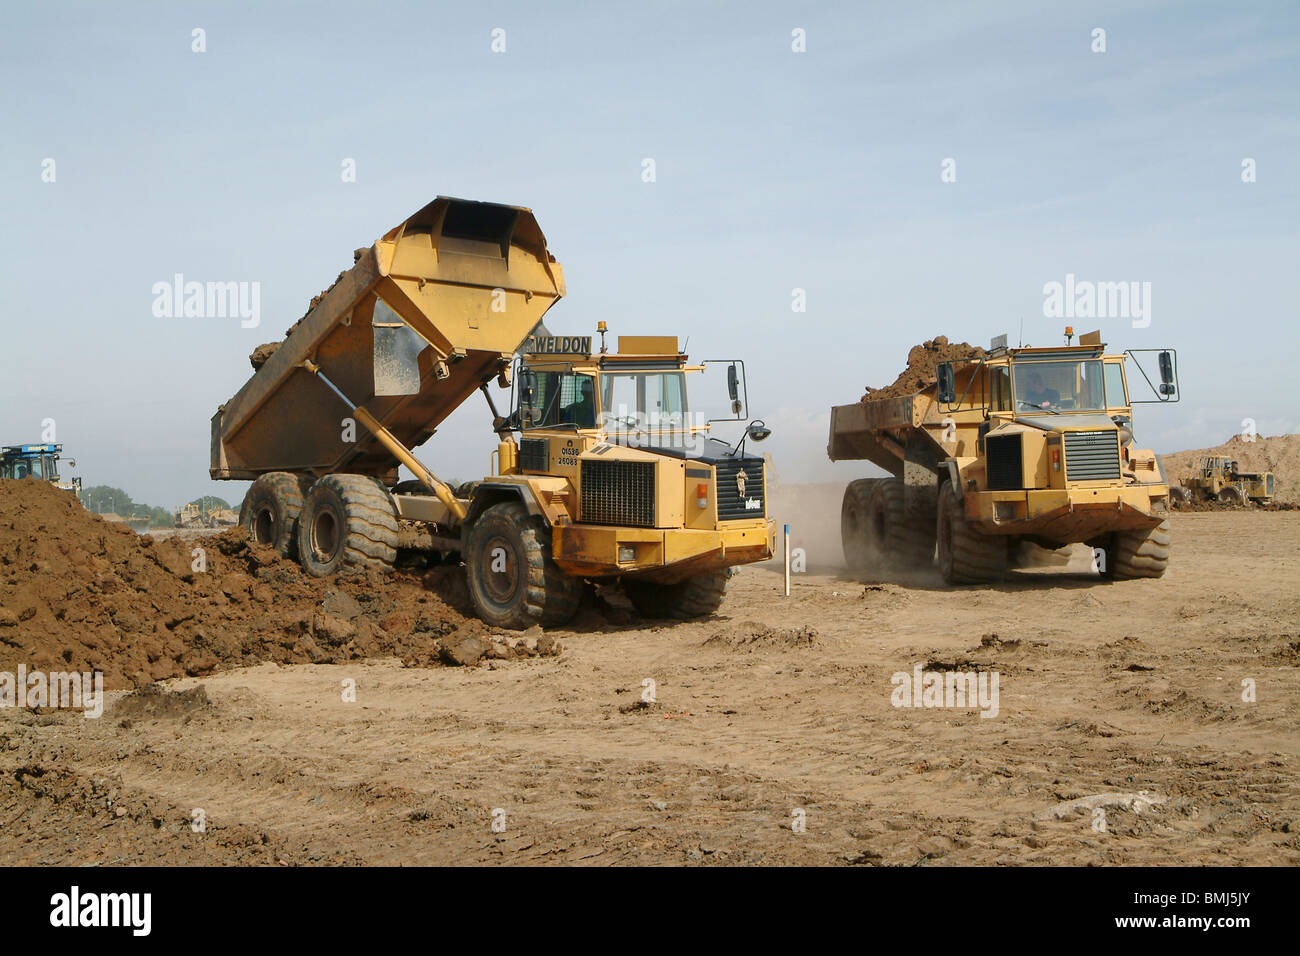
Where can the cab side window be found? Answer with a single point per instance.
(1000, 389)
(1115, 397)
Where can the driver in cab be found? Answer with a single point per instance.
(1038, 394)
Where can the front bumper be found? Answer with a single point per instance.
(660, 554)
(1068, 515)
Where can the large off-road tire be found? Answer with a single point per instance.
(270, 512)
(697, 596)
(1179, 497)
(347, 521)
(902, 539)
(518, 585)
(965, 555)
(855, 535)
(1138, 553)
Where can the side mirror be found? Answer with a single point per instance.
(736, 390)
(947, 383)
(758, 430)
(1166, 373)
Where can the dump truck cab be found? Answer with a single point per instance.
(40, 461)
(629, 476)
(1043, 445)
(1043, 439)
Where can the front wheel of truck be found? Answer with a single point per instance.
(512, 580)
(965, 555)
(271, 510)
(1138, 553)
(697, 596)
(347, 520)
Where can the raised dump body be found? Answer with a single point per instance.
(877, 431)
(471, 278)
(1028, 444)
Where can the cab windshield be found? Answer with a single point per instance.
(1059, 386)
(644, 402)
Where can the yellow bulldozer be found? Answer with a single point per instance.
(1220, 479)
(1021, 445)
(602, 468)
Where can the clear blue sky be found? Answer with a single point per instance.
(775, 170)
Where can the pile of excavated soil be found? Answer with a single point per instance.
(922, 361)
(1279, 454)
(79, 593)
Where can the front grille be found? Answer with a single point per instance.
(1005, 471)
(618, 492)
(732, 505)
(535, 454)
(1092, 455)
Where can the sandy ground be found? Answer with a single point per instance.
(776, 711)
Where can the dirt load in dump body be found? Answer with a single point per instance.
(922, 361)
(472, 279)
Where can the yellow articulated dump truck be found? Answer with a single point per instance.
(612, 474)
(1019, 444)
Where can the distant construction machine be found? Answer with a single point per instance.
(1220, 479)
(40, 462)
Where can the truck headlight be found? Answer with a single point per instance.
(626, 553)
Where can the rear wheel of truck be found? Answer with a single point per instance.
(965, 555)
(895, 534)
(512, 579)
(697, 596)
(271, 510)
(1138, 553)
(347, 521)
(855, 533)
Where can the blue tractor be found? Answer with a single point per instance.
(37, 461)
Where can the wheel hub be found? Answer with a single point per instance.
(499, 570)
(264, 526)
(324, 536)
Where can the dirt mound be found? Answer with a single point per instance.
(1279, 454)
(750, 635)
(80, 593)
(922, 360)
(152, 702)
